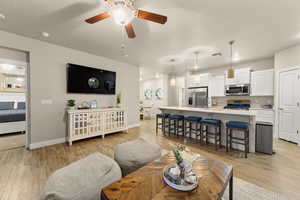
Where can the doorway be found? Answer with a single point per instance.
(13, 88)
(289, 105)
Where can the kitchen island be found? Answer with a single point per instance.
(221, 114)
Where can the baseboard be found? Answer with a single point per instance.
(133, 125)
(47, 143)
(61, 140)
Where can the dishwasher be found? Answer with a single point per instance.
(264, 138)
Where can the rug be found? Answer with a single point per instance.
(243, 190)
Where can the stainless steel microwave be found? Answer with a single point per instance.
(237, 90)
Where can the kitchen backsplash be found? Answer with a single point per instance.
(256, 102)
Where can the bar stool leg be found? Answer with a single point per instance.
(227, 139)
(170, 127)
(201, 133)
(220, 136)
(163, 126)
(156, 125)
(216, 134)
(175, 126)
(230, 138)
(246, 143)
(206, 138)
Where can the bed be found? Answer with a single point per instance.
(12, 117)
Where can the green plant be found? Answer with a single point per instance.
(177, 155)
(118, 98)
(71, 102)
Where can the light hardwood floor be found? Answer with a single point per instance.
(11, 141)
(23, 173)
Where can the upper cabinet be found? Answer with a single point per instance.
(262, 83)
(241, 76)
(198, 80)
(217, 86)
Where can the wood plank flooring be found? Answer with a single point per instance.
(10, 141)
(23, 173)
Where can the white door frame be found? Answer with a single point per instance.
(27, 94)
(277, 96)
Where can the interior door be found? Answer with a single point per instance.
(289, 105)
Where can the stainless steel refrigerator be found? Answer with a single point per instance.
(198, 97)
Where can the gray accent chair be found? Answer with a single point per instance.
(135, 154)
(82, 180)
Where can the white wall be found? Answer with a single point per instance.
(154, 84)
(47, 76)
(175, 91)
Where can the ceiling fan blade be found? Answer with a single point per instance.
(98, 18)
(152, 17)
(130, 31)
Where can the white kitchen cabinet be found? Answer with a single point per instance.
(217, 86)
(262, 83)
(198, 80)
(241, 77)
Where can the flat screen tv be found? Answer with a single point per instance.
(82, 79)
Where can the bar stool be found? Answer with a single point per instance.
(191, 121)
(176, 124)
(207, 134)
(239, 126)
(161, 125)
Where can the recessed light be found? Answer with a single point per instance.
(2, 16)
(45, 34)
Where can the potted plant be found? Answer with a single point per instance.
(71, 104)
(118, 100)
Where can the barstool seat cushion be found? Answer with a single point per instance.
(191, 118)
(236, 124)
(176, 117)
(211, 121)
(162, 115)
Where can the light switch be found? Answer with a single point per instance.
(47, 101)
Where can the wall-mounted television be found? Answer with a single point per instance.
(88, 80)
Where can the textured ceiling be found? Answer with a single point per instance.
(260, 27)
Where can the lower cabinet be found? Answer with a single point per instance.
(95, 122)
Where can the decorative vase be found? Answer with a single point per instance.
(71, 107)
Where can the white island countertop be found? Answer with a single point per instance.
(249, 113)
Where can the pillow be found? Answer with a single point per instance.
(7, 105)
(21, 105)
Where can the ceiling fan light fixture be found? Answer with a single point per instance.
(122, 14)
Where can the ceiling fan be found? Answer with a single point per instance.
(123, 12)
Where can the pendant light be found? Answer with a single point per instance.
(230, 72)
(173, 79)
(196, 66)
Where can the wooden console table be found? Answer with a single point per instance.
(147, 183)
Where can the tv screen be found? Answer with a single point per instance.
(81, 79)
